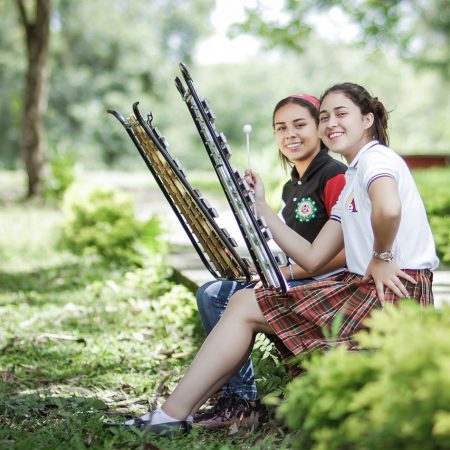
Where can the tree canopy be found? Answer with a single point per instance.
(109, 54)
(418, 29)
(103, 53)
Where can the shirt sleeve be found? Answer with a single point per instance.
(332, 190)
(377, 164)
(336, 210)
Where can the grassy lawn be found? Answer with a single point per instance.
(83, 341)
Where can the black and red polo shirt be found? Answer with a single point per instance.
(307, 200)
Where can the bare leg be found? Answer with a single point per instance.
(223, 352)
(215, 388)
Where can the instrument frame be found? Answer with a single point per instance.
(214, 245)
(239, 196)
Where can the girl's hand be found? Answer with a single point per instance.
(254, 275)
(387, 274)
(256, 184)
(255, 278)
(258, 285)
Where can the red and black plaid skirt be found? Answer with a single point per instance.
(302, 319)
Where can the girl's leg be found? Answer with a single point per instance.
(223, 352)
(211, 391)
(212, 300)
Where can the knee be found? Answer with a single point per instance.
(238, 298)
(213, 300)
(201, 295)
(243, 306)
(217, 294)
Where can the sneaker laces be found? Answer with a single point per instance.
(222, 404)
(242, 408)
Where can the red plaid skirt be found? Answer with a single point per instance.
(302, 319)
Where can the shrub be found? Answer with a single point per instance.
(271, 374)
(150, 237)
(101, 221)
(441, 232)
(168, 309)
(394, 395)
(433, 187)
(61, 175)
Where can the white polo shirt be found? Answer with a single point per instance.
(414, 244)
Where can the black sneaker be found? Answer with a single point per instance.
(169, 429)
(237, 411)
(221, 404)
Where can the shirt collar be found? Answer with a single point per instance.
(314, 165)
(363, 150)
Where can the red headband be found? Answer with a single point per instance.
(308, 98)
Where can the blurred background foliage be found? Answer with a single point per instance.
(109, 54)
(90, 267)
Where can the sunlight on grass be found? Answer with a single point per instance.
(28, 237)
(84, 340)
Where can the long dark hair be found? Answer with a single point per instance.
(367, 104)
(307, 101)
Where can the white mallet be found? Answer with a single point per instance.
(247, 130)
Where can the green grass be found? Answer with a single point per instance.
(83, 341)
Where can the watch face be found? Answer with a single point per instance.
(384, 256)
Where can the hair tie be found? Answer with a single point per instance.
(308, 98)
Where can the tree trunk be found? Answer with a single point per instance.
(37, 31)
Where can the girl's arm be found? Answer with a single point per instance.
(311, 257)
(385, 219)
(299, 273)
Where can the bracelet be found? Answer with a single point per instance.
(384, 256)
(290, 271)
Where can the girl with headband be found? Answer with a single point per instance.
(390, 255)
(316, 180)
(307, 198)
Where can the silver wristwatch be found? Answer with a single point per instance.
(384, 256)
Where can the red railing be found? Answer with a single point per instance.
(425, 161)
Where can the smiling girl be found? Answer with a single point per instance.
(307, 198)
(389, 251)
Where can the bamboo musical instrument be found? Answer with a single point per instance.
(240, 198)
(214, 245)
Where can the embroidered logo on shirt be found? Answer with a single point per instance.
(306, 209)
(350, 204)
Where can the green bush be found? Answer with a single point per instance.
(441, 232)
(271, 374)
(61, 175)
(395, 394)
(433, 187)
(100, 220)
(169, 310)
(150, 237)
